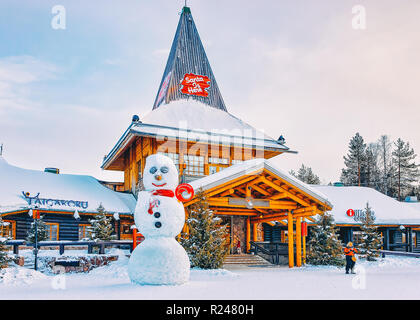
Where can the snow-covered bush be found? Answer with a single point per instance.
(42, 231)
(371, 239)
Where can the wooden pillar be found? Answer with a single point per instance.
(254, 232)
(386, 240)
(290, 239)
(248, 234)
(298, 242)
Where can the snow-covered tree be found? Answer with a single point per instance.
(42, 231)
(101, 226)
(372, 175)
(306, 175)
(4, 255)
(371, 238)
(384, 146)
(406, 170)
(207, 242)
(324, 247)
(355, 162)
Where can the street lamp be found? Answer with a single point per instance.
(36, 216)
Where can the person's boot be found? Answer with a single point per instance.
(352, 271)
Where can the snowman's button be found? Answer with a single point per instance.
(157, 214)
(158, 224)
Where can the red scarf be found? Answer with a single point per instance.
(159, 192)
(164, 193)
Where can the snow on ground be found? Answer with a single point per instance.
(389, 278)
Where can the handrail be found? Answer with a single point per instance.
(63, 244)
(273, 253)
(399, 253)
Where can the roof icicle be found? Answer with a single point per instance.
(188, 74)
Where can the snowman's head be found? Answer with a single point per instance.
(160, 173)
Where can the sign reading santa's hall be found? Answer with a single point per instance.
(195, 85)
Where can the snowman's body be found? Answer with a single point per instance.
(159, 259)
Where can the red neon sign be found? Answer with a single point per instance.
(195, 85)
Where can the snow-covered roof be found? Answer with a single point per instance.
(194, 121)
(62, 192)
(387, 210)
(251, 167)
(414, 205)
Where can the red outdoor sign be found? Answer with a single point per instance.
(195, 85)
(304, 226)
(350, 212)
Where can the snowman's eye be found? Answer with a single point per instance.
(153, 170)
(164, 169)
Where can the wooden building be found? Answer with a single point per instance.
(399, 222)
(66, 202)
(215, 150)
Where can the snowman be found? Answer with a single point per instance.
(159, 216)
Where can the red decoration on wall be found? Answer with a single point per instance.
(195, 85)
(304, 227)
(350, 212)
(36, 214)
(184, 192)
(137, 238)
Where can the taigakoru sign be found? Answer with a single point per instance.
(36, 200)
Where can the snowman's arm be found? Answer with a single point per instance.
(143, 199)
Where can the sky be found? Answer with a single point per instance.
(296, 68)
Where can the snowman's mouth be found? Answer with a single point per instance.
(158, 185)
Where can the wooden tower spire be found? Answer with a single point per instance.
(188, 74)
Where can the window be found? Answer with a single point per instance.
(217, 164)
(236, 161)
(8, 230)
(194, 165)
(84, 231)
(218, 160)
(125, 230)
(173, 156)
(357, 237)
(52, 231)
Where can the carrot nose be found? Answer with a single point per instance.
(158, 177)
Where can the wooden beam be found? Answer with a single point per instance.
(227, 192)
(279, 195)
(254, 232)
(290, 239)
(298, 243)
(261, 190)
(305, 210)
(289, 194)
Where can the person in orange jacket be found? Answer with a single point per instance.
(349, 251)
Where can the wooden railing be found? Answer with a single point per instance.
(62, 244)
(399, 253)
(273, 249)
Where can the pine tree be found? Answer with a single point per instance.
(355, 162)
(42, 231)
(372, 176)
(384, 146)
(101, 227)
(4, 255)
(306, 175)
(406, 170)
(371, 240)
(324, 247)
(207, 243)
